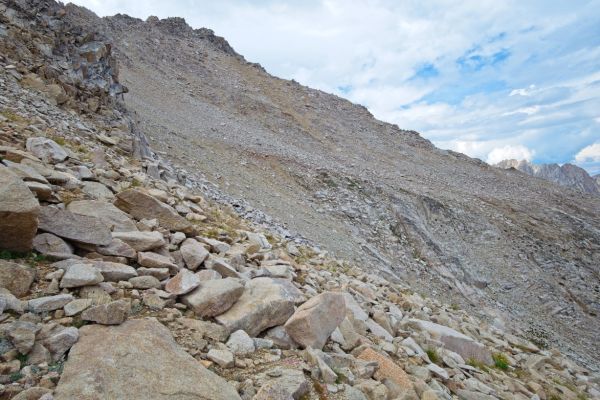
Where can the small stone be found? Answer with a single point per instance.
(47, 243)
(193, 253)
(49, 303)
(113, 313)
(141, 241)
(154, 260)
(22, 335)
(16, 278)
(81, 275)
(144, 282)
(240, 343)
(77, 306)
(222, 357)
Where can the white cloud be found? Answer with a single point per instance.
(517, 152)
(502, 73)
(589, 154)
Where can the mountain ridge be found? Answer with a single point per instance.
(392, 200)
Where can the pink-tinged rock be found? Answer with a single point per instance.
(184, 282)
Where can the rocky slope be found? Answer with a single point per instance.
(503, 245)
(567, 175)
(121, 279)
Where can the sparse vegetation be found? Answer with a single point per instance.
(433, 355)
(500, 361)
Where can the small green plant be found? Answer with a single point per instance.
(477, 364)
(454, 307)
(433, 355)
(22, 359)
(500, 361)
(78, 323)
(14, 377)
(56, 366)
(11, 255)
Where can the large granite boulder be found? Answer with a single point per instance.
(315, 320)
(137, 360)
(266, 302)
(117, 220)
(141, 205)
(18, 213)
(75, 227)
(46, 149)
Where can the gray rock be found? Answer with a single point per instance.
(158, 273)
(222, 357)
(46, 149)
(144, 282)
(76, 306)
(97, 191)
(16, 278)
(142, 205)
(115, 272)
(81, 275)
(291, 385)
(264, 303)
(49, 303)
(48, 244)
(117, 220)
(19, 211)
(75, 227)
(141, 241)
(22, 335)
(117, 248)
(113, 313)
(314, 321)
(184, 282)
(143, 349)
(193, 253)
(281, 338)
(59, 340)
(214, 297)
(34, 393)
(240, 343)
(154, 260)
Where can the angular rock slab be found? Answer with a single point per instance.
(184, 282)
(141, 241)
(117, 220)
(16, 278)
(214, 297)
(75, 227)
(137, 360)
(455, 341)
(265, 303)
(19, 211)
(46, 149)
(314, 321)
(141, 205)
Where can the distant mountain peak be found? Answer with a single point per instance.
(567, 175)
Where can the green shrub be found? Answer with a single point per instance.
(500, 361)
(433, 355)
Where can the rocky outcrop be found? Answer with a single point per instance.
(137, 360)
(567, 175)
(18, 213)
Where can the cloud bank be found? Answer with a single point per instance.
(486, 78)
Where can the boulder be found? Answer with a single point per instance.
(22, 335)
(141, 241)
(77, 306)
(142, 205)
(46, 149)
(137, 360)
(75, 227)
(97, 191)
(113, 313)
(214, 297)
(16, 278)
(264, 303)
(291, 385)
(240, 343)
(387, 369)
(455, 341)
(58, 339)
(117, 220)
(115, 272)
(314, 321)
(184, 282)
(193, 253)
(49, 244)
(154, 260)
(49, 303)
(116, 248)
(145, 282)
(19, 211)
(80, 275)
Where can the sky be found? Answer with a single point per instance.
(491, 79)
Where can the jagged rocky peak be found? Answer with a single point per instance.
(567, 175)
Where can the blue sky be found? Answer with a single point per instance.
(492, 79)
